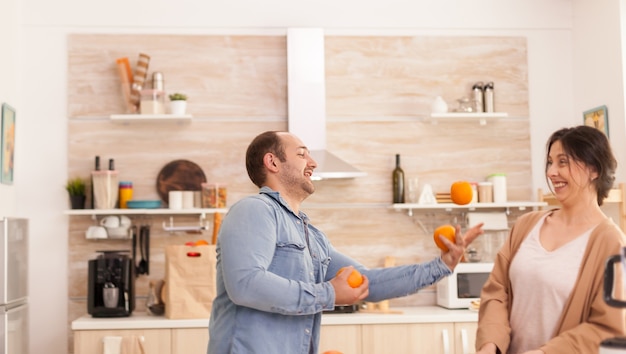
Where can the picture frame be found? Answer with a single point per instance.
(597, 118)
(7, 155)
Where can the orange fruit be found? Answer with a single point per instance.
(201, 243)
(332, 352)
(447, 231)
(461, 192)
(355, 279)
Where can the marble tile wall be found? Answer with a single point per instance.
(379, 91)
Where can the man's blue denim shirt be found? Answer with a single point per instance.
(273, 269)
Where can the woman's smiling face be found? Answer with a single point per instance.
(569, 177)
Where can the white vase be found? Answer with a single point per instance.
(439, 105)
(178, 107)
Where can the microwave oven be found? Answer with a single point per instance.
(463, 286)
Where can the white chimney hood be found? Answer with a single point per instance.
(307, 101)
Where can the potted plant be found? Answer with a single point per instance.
(76, 188)
(178, 103)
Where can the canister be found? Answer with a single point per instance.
(488, 97)
(152, 102)
(126, 193)
(485, 192)
(499, 187)
(477, 92)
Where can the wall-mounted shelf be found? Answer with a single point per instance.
(160, 211)
(521, 205)
(128, 118)
(481, 117)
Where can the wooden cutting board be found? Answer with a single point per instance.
(179, 175)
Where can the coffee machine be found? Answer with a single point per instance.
(615, 345)
(111, 285)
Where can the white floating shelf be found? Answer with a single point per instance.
(482, 117)
(470, 207)
(127, 118)
(157, 211)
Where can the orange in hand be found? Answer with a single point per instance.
(461, 192)
(355, 279)
(447, 231)
(332, 352)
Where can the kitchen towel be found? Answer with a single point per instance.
(111, 345)
(133, 345)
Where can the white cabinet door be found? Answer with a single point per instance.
(432, 338)
(465, 337)
(156, 341)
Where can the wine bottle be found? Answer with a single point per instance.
(96, 168)
(398, 182)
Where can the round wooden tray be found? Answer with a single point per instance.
(179, 175)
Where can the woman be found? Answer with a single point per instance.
(545, 292)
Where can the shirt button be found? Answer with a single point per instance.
(311, 273)
(307, 331)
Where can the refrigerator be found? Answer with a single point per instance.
(14, 286)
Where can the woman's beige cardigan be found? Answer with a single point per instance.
(586, 319)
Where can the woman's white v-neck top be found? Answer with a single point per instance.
(542, 281)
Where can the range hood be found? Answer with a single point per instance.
(307, 101)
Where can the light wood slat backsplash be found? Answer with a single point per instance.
(379, 90)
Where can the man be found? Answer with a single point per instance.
(276, 272)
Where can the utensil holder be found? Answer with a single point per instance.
(105, 189)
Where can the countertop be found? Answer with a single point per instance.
(418, 314)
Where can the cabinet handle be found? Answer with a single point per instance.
(464, 342)
(446, 341)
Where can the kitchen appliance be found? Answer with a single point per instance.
(14, 336)
(343, 309)
(615, 345)
(463, 286)
(111, 285)
(306, 87)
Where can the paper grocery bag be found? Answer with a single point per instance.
(189, 281)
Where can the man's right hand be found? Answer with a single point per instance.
(344, 293)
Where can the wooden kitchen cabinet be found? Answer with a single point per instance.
(156, 341)
(190, 340)
(344, 338)
(465, 337)
(433, 338)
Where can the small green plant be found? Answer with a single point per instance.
(178, 97)
(76, 186)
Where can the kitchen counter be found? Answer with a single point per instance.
(420, 314)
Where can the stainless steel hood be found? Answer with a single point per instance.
(307, 101)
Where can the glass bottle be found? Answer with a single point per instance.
(398, 182)
(154, 303)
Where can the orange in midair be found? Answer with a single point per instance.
(461, 192)
(447, 231)
(355, 279)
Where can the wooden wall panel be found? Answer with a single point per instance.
(379, 91)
